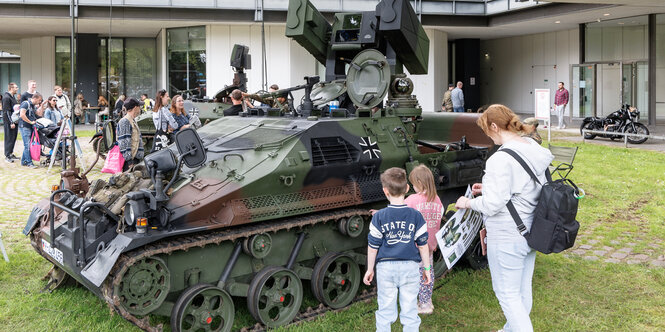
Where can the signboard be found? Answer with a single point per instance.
(542, 104)
(457, 234)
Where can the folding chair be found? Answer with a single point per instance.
(563, 160)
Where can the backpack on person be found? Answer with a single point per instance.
(554, 227)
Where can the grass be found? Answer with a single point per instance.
(625, 204)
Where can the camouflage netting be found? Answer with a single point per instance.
(112, 193)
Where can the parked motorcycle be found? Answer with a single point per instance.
(623, 120)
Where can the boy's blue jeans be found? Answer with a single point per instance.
(511, 262)
(393, 278)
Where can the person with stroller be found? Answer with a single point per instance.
(129, 135)
(29, 114)
(51, 112)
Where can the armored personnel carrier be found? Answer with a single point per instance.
(262, 205)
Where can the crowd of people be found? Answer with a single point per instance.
(21, 112)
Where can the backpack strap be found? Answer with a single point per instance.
(522, 162)
(511, 208)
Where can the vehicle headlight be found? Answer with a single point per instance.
(130, 213)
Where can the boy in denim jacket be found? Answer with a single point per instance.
(394, 233)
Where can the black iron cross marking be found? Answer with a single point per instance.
(369, 148)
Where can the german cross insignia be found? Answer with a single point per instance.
(369, 148)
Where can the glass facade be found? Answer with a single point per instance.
(620, 48)
(9, 72)
(131, 69)
(140, 67)
(111, 78)
(186, 48)
(660, 68)
(63, 64)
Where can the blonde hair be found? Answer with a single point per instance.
(394, 179)
(504, 118)
(422, 177)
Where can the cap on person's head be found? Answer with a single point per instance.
(130, 103)
(451, 85)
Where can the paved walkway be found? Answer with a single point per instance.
(21, 187)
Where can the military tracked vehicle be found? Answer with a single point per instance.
(261, 205)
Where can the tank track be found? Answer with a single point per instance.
(216, 237)
(311, 314)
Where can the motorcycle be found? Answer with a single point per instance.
(623, 120)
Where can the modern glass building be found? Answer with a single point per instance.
(607, 52)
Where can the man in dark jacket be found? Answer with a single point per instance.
(236, 109)
(11, 130)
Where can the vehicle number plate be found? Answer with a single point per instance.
(53, 252)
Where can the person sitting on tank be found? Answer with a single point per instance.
(179, 114)
(236, 99)
(161, 117)
(129, 135)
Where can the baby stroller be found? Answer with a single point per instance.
(48, 133)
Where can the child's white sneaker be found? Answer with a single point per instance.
(425, 309)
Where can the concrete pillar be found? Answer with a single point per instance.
(38, 63)
(430, 88)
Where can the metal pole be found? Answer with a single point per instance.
(549, 126)
(73, 84)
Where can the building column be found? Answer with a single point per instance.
(652, 69)
(38, 63)
(430, 88)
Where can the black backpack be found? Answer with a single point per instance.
(554, 227)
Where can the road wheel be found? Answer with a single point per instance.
(274, 296)
(335, 279)
(203, 307)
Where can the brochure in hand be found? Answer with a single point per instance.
(457, 234)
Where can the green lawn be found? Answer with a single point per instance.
(625, 205)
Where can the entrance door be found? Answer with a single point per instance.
(641, 84)
(635, 78)
(583, 98)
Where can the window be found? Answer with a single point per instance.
(111, 73)
(63, 64)
(140, 68)
(187, 61)
(131, 70)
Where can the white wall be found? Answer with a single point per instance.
(429, 88)
(287, 62)
(38, 63)
(515, 66)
